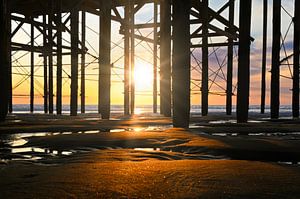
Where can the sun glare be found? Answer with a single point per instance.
(143, 77)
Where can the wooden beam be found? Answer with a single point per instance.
(212, 45)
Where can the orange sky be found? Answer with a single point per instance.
(144, 60)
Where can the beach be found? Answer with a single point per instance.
(49, 156)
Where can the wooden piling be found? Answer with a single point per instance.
(295, 101)
(74, 60)
(155, 37)
(59, 58)
(4, 58)
(126, 61)
(230, 60)
(264, 56)
(82, 81)
(104, 60)
(32, 68)
(181, 63)
(204, 82)
(45, 52)
(275, 71)
(132, 57)
(165, 58)
(244, 61)
(50, 56)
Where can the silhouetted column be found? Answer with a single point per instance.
(155, 60)
(83, 34)
(230, 60)
(10, 88)
(50, 56)
(264, 57)
(32, 68)
(244, 61)
(296, 60)
(104, 60)
(45, 53)
(126, 61)
(74, 61)
(204, 82)
(165, 58)
(275, 71)
(181, 63)
(59, 59)
(4, 58)
(132, 57)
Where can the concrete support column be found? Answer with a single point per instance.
(104, 60)
(244, 61)
(181, 63)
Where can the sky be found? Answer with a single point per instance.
(144, 60)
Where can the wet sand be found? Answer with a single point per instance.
(144, 157)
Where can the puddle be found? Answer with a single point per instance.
(233, 121)
(91, 132)
(289, 163)
(293, 135)
(18, 142)
(16, 121)
(14, 146)
(224, 134)
(223, 122)
(149, 128)
(147, 149)
(117, 130)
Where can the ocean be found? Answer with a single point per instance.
(119, 109)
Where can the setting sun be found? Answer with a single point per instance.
(143, 77)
